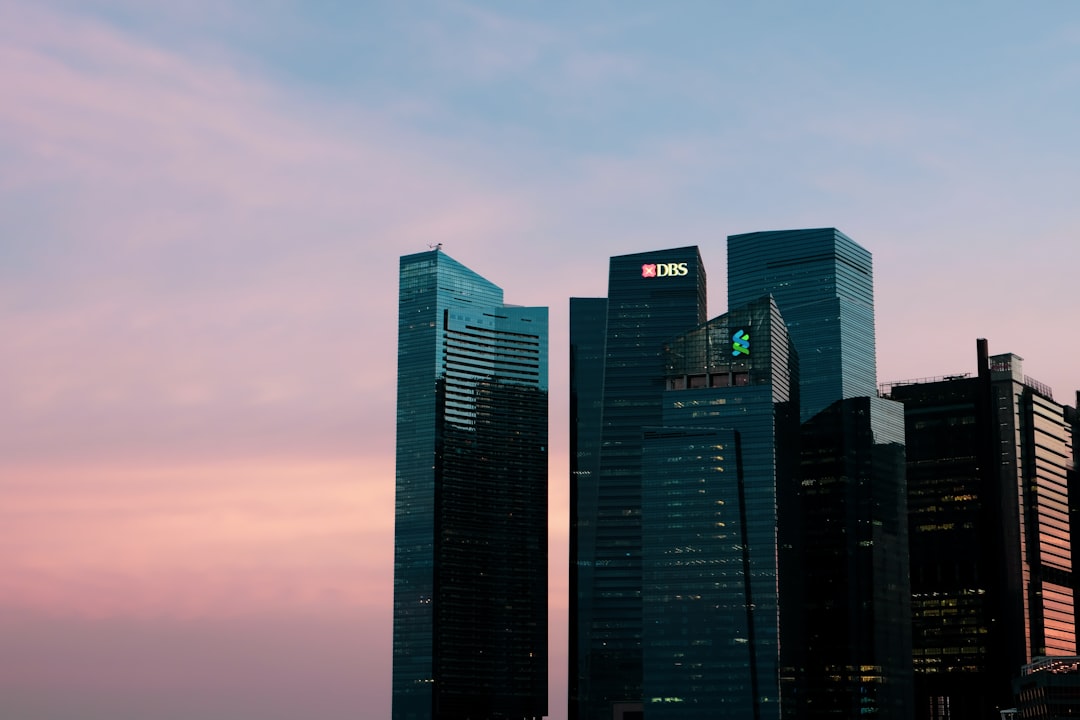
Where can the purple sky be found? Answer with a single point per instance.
(201, 212)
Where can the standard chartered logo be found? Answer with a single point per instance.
(652, 270)
(740, 343)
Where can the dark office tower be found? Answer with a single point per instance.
(698, 654)
(588, 320)
(470, 545)
(847, 634)
(823, 283)
(651, 297)
(988, 459)
(710, 503)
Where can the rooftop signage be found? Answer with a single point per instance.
(653, 270)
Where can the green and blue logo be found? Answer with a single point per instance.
(740, 343)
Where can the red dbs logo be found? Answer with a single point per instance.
(651, 270)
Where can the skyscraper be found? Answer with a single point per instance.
(843, 573)
(823, 283)
(710, 504)
(686, 502)
(470, 543)
(651, 297)
(588, 321)
(989, 460)
(847, 604)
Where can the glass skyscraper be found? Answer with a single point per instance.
(651, 297)
(823, 283)
(843, 574)
(710, 513)
(686, 496)
(470, 543)
(989, 458)
(697, 651)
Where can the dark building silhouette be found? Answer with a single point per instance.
(692, 576)
(842, 550)
(847, 640)
(470, 543)
(710, 515)
(698, 628)
(651, 296)
(989, 461)
(588, 323)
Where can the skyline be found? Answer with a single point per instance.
(201, 214)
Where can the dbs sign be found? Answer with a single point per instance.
(653, 270)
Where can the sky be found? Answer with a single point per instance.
(202, 207)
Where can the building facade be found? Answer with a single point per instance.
(710, 512)
(470, 542)
(1048, 688)
(673, 617)
(989, 461)
(823, 283)
(847, 639)
(842, 543)
(651, 297)
(588, 323)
